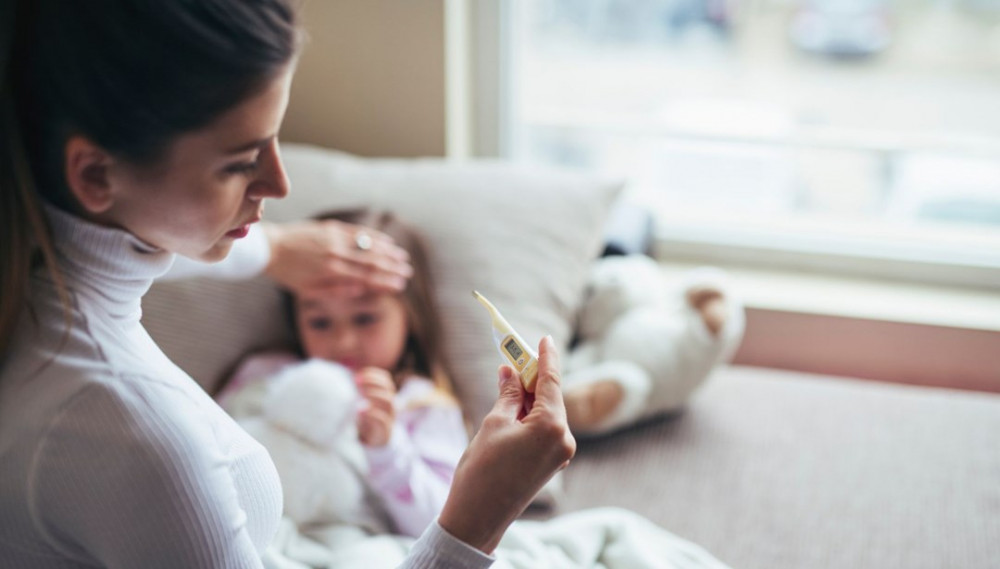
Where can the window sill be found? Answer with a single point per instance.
(933, 336)
(872, 299)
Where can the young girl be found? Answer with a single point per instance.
(409, 424)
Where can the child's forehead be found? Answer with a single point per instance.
(338, 303)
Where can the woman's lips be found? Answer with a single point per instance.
(242, 231)
(239, 232)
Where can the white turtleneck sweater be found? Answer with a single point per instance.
(110, 455)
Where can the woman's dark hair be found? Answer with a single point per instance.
(131, 76)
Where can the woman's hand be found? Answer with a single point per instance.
(514, 453)
(334, 257)
(375, 421)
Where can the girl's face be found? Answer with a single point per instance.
(369, 330)
(210, 187)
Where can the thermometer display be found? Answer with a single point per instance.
(512, 347)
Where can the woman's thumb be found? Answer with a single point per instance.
(511, 393)
(548, 387)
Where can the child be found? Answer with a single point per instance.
(408, 432)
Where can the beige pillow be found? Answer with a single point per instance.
(523, 236)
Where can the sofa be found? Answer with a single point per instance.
(766, 469)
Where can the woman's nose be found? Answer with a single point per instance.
(271, 180)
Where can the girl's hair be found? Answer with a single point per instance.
(423, 353)
(129, 75)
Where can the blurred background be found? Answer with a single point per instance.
(858, 127)
(841, 158)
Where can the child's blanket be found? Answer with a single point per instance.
(604, 538)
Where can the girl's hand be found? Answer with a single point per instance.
(511, 457)
(376, 420)
(325, 256)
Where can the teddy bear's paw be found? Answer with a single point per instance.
(588, 405)
(604, 397)
(711, 306)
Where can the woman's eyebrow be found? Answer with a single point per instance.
(254, 144)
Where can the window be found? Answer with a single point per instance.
(853, 135)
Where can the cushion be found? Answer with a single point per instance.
(523, 236)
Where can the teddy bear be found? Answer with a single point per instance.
(305, 418)
(644, 343)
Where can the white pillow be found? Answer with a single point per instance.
(523, 236)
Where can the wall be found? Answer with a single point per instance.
(897, 352)
(371, 80)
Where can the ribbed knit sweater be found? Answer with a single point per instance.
(112, 456)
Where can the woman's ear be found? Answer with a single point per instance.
(87, 174)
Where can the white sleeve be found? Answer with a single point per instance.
(120, 483)
(248, 258)
(438, 549)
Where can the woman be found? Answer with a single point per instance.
(133, 131)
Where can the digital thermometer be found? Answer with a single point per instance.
(512, 346)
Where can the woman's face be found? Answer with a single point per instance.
(368, 330)
(210, 186)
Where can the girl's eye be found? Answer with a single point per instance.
(365, 319)
(318, 323)
(242, 168)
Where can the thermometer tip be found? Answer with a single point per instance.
(482, 300)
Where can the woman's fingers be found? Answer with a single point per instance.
(380, 248)
(375, 261)
(510, 458)
(548, 368)
(512, 393)
(377, 273)
(514, 401)
(342, 289)
(332, 257)
(380, 255)
(548, 386)
(548, 410)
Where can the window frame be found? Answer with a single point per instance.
(493, 46)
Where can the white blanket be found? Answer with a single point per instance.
(603, 538)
